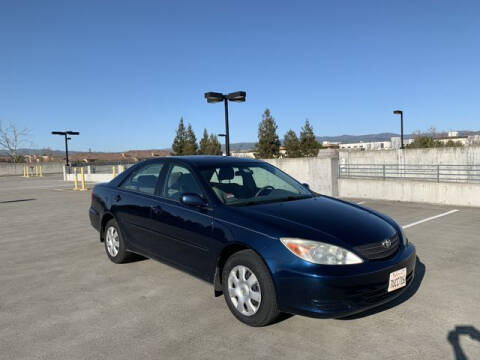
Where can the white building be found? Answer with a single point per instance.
(394, 143)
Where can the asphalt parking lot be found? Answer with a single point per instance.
(61, 298)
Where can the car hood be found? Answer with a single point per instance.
(324, 219)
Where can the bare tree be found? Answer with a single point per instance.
(11, 138)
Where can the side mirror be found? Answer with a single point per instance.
(191, 199)
(306, 186)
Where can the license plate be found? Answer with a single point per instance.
(398, 279)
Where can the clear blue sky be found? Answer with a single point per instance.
(123, 72)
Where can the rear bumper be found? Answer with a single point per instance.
(339, 295)
(94, 218)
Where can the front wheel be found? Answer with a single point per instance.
(248, 289)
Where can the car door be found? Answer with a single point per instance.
(133, 203)
(187, 231)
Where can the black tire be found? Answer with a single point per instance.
(268, 309)
(122, 255)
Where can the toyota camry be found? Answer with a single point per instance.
(265, 241)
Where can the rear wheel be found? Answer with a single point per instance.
(115, 246)
(248, 289)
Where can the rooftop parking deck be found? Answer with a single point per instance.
(61, 298)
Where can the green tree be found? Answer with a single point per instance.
(451, 143)
(191, 146)
(308, 143)
(292, 145)
(204, 143)
(214, 147)
(178, 145)
(209, 144)
(427, 140)
(268, 145)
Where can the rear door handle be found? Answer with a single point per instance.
(118, 198)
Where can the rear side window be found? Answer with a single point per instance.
(143, 180)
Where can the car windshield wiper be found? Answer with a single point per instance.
(269, 201)
(248, 203)
(298, 197)
(289, 198)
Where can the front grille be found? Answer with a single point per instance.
(374, 293)
(376, 251)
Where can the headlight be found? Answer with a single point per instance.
(404, 236)
(320, 253)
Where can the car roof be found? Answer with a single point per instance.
(212, 160)
(206, 160)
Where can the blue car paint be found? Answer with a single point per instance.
(193, 240)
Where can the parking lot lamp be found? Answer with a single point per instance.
(65, 134)
(214, 97)
(400, 112)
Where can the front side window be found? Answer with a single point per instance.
(252, 184)
(179, 181)
(143, 180)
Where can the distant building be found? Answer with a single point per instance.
(453, 137)
(331, 144)
(243, 154)
(473, 140)
(251, 154)
(394, 143)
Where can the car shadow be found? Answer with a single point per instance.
(14, 201)
(453, 338)
(281, 317)
(133, 258)
(420, 270)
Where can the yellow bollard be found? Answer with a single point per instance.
(114, 171)
(82, 179)
(24, 171)
(28, 171)
(75, 187)
(36, 170)
(41, 170)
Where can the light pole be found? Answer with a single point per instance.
(214, 97)
(400, 112)
(66, 133)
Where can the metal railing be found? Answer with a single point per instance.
(436, 173)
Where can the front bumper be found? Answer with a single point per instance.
(339, 291)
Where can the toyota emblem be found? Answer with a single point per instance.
(387, 243)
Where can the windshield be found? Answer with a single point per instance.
(250, 184)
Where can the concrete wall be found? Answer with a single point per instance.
(415, 191)
(17, 169)
(96, 178)
(468, 155)
(409, 190)
(320, 173)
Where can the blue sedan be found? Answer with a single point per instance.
(265, 241)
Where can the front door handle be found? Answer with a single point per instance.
(156, 209)
(118, 198)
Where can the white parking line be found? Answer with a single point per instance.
(361, 202)
(430, 218)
